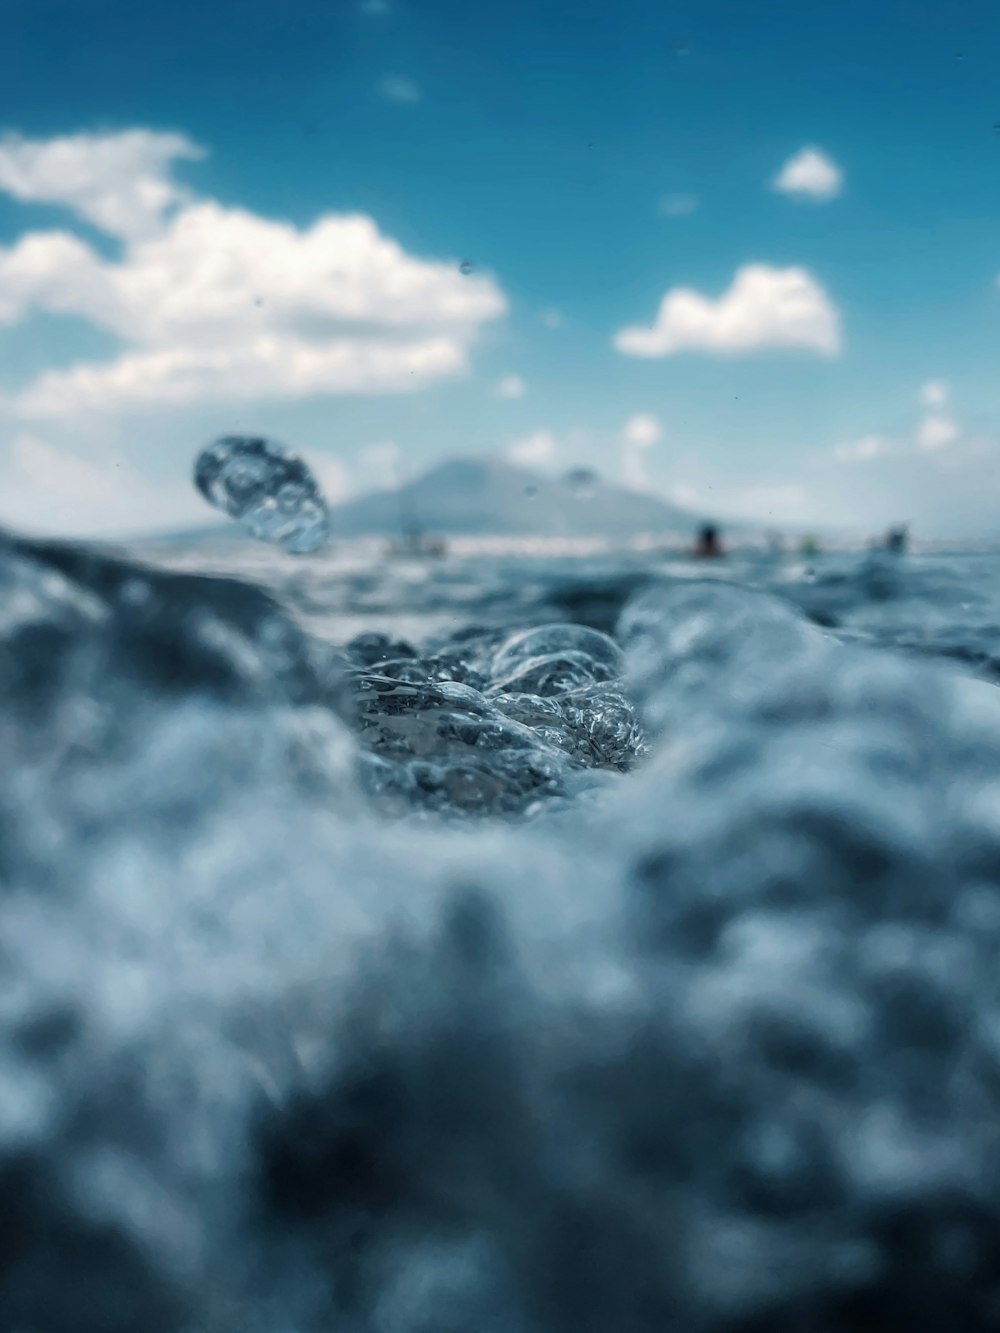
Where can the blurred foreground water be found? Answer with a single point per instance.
(499, 944)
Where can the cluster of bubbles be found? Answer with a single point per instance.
(718, 1052)
(489, 722)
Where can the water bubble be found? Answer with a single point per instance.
(547, 640)
(271, 493)
(466, 267)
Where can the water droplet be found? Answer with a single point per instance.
(466, 267)
(270, 492)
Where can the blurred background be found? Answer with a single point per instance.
(743, 257)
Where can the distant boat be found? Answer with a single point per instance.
(708, 545)
(413, 542)
(416, 544)
(897, 539)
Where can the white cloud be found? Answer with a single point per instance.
(47, 489)
(810, 174)
(679, 205)
(935, 393)
(642, 430)
(551, 318)
(511, 386)
(639, 434)
(397, 89)
(220, 304)
(763, 308)
(865, 449)
(270, 366)
(119, 182)
(331, 473)
(936, 432)
(535, 450)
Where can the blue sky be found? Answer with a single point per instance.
(835, 360)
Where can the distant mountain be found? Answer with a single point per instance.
(489, 497)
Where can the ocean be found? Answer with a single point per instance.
(513, 942)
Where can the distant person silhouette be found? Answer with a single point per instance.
(708, 545)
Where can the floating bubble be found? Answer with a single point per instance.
(271, 493)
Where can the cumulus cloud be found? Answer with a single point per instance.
(810, 174)
(639, 434)
(397, 89)
(764, 308)
(214, 303)
(642, 430)
(331, 473)
(118, 182)
(679, 205)
(535, 450)
(936, 431)
(511, 386)
(864, 450)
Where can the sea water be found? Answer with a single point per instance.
(498, 944)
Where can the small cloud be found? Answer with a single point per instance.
(810, 174)
(535, 450)
(331, 473)
(642, 430)
(679, 205)
(864, 450)
(936, 431)
(639, 434)
(396, 89)
(935, 393)
(764, 308)
(511, 386)
(551, 318)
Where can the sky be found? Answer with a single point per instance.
(743, 255)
